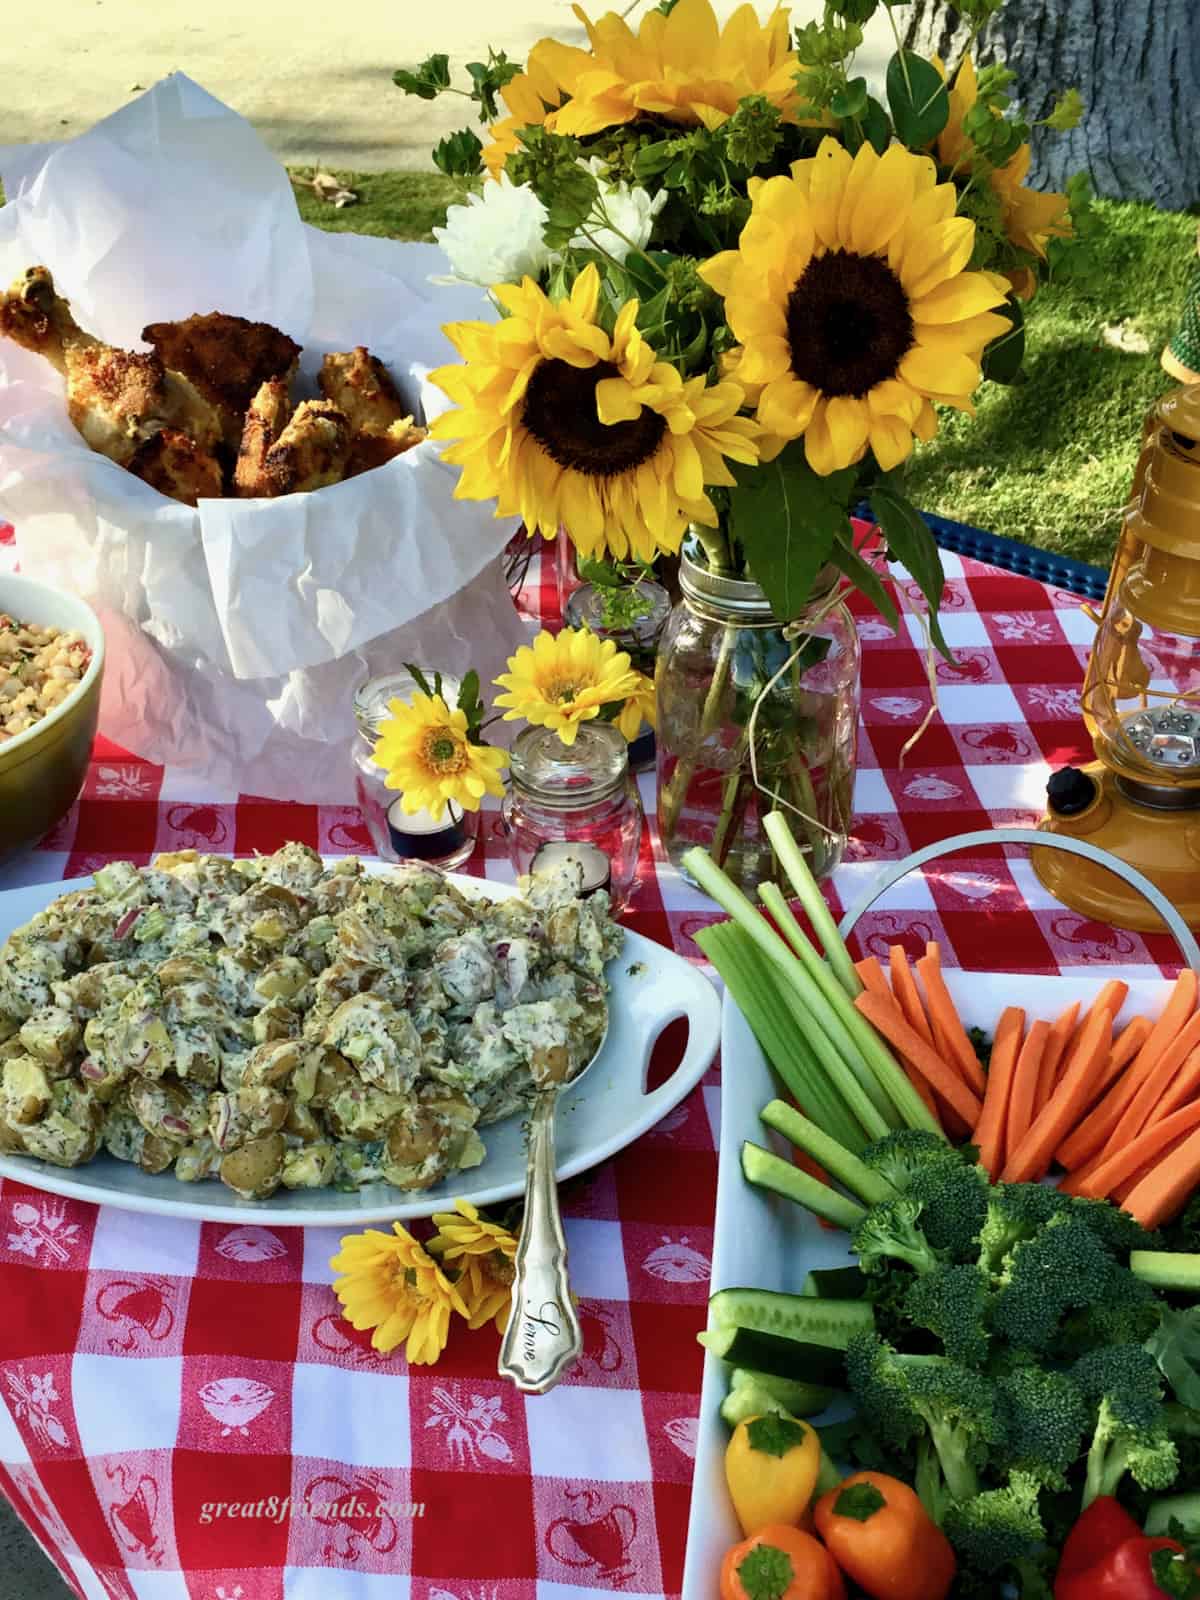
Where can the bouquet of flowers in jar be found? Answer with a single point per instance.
(734, 289)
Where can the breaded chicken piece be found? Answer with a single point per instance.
(360, 386)
(369, 450)
(176, 466)
(310, 453)
(38, 319)
(227, 358)
(266, 418)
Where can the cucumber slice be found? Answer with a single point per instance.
(752, 1394)
(778, 1357)
(832, 1323)
(835, 1283)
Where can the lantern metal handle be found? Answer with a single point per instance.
(1031, 839)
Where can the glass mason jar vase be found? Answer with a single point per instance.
(733, 679)
(446, 842)
(588, 608)
(578, 801)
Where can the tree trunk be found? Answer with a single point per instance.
(1136, 64)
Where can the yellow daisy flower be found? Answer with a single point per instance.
(567, 426)
(849, 293)
(637, 709)
(482, 1254)
(390, 1283)
(1031, 218)
(429, 758)
(560, 682)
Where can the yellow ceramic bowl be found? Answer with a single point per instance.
(42, 770)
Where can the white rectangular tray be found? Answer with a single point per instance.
(765, 1241)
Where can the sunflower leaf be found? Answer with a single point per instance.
(786, 518)
(458, 154)
(873, 126)
(1003, 357)
(419, 678)
(863, 576)
(912, 544)
(917, 95)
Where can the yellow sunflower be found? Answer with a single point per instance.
(429, 758)
(527, 97)
(560, 682)
(481, 1253)
(390, 1283)
(637, 709)
(568, 426)
(849, 293)
(1031, 218)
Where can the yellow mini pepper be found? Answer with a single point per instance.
(771, 1467)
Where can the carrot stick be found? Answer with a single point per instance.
(1026, 1076)
(1185, 1086)
(885, 1018)
(872, 976)
(922, 1088)
(1098, 1127)
(993, 1119)
(1056, 1048)
(1123, 1190)
(1125, 1046)
(1031, 1159)
(949, 1035)
(1147, 1147)
(908, 996)
(1159, 1196)
(1141, 1108)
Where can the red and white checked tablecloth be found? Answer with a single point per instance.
(150, 1368)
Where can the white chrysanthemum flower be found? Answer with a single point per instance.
(622, 218)
(497, 237)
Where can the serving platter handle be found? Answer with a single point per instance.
(1030, 839)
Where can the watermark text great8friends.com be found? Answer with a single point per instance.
(273, 1508)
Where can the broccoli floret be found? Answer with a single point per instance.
(1062, 1268)
(1045, 1419)
(951, 1188)
(1184, 1233)
(1132, 1433)
(1124, 1310)
(901, 1157)
(951, 1302)
(890, 1232)
(907, 1396)
(1114, 1227)
(999, 1526)
(1016, 1213)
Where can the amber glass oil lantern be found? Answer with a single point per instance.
(1140, 798)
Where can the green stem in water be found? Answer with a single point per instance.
(670, 801)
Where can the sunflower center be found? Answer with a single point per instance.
(560, 413)
(443, 754)
(848, 323)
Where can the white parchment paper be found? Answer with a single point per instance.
(237, 632)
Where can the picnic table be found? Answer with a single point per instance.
(151, 1368)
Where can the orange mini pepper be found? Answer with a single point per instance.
(780, 1563)
(881, 1535)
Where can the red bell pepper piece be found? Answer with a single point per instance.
(1124, 1573)
(1100, 1529)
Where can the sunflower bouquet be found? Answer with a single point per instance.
(735, 287)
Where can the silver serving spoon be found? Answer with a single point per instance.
(543, 1340)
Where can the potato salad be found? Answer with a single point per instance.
(280, 1021)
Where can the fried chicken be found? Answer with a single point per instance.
(117, 399)
(309, 453)
(359, 385)
(228, 359)
(368, 450)
(176, 466)
(266, 418)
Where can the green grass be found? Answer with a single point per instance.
(1047, 462)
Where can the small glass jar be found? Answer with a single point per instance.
(732, 677)
(576, 801)
(639, 639)
(444, 842)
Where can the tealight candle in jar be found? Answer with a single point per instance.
(575, 802)
(446, 841)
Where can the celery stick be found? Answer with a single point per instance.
(791, 858)
(884, 1070)
(752, 984)
(771, 1172)
(800, 993)
(834, 1012)
(839, 1162)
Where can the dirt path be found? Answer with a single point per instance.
(315, 79)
